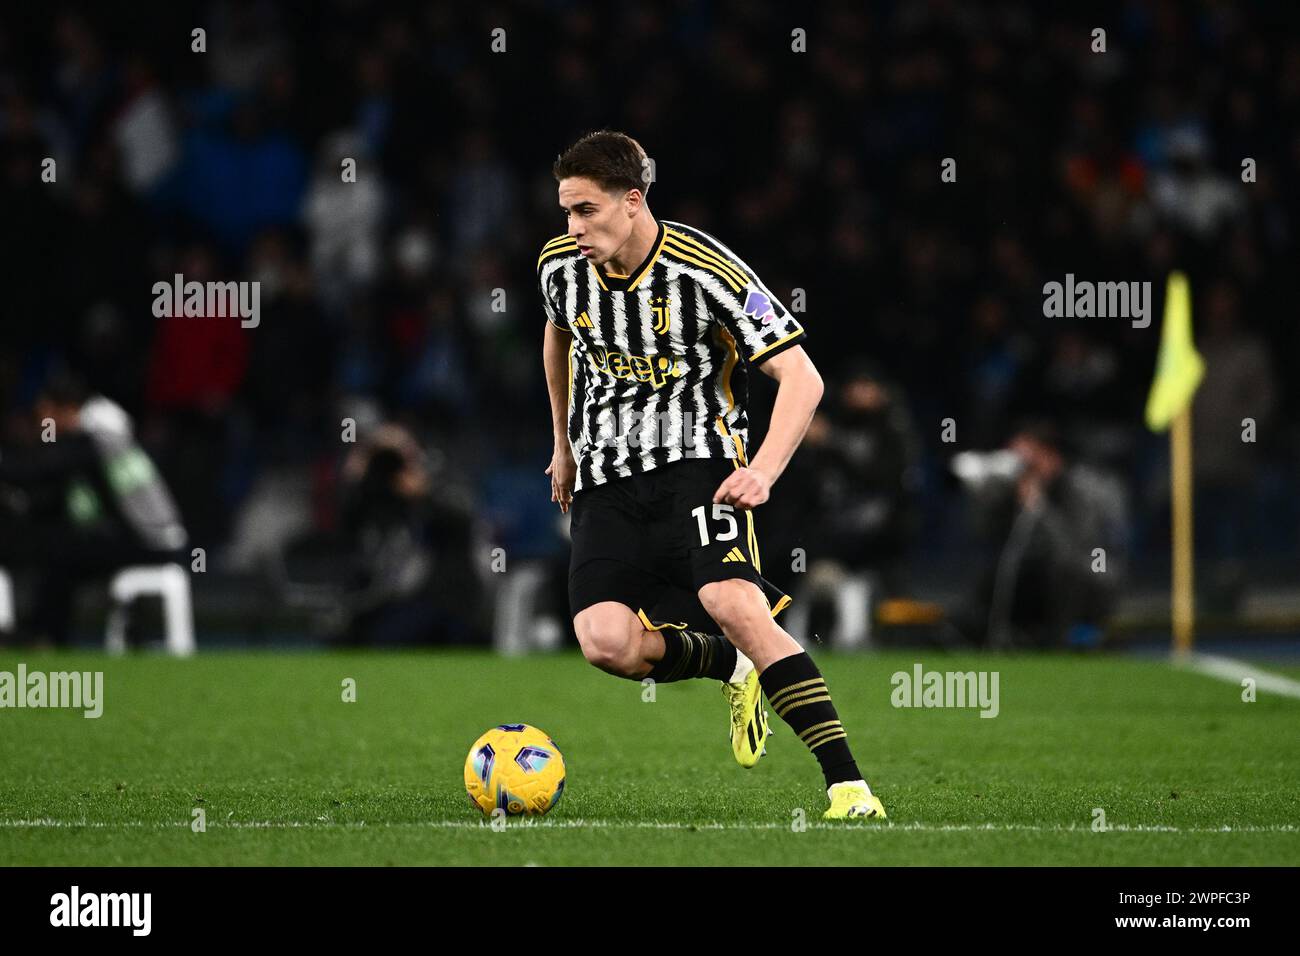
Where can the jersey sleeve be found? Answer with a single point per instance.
(756, 319)
(552, 315)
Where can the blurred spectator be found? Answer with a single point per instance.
(1189, 192)
(480, 194)
(864, 449)
(861, 477)
(1059, 530)
(344, 219)
(238, 174)
(412, 548)
(80, 504)
(1239, 385)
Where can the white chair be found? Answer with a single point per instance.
(7, 616)
(851, 594)
(171, 582)
(516, 627)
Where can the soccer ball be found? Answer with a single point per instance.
(515, 768)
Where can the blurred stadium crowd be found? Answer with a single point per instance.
(924, 299)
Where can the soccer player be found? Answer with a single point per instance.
(651, 328)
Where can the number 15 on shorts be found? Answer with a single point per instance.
(722, 513)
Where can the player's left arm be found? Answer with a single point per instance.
(799, 390)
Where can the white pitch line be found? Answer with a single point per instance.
(862, 827)
(1233, 671)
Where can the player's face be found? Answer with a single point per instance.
(600, 221)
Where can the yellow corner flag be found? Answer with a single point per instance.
(1179, 367)
(1179, 370)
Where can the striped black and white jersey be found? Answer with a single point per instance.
(658, 361)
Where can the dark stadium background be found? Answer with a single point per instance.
(821, 169)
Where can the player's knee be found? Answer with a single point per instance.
(605, 635)
(611, 653)
(735, 604)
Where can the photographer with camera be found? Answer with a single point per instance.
(1059, 528)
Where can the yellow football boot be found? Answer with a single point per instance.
(749, 730)
(853, 799)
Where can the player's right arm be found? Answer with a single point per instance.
(563, 469)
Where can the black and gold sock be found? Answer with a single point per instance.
(797, 692)
(690, 654)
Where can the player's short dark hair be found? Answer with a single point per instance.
(613, 160)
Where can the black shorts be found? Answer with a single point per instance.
(652, 540)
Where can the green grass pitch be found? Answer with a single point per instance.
(288, 773)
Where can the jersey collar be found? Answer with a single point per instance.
(628, 283)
